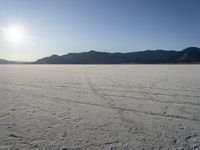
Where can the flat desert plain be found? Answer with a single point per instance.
(111, 107)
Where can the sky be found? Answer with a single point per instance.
(65, 26)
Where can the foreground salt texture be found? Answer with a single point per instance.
(55, 107)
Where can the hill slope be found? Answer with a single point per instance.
(188, 55)
(3, 61)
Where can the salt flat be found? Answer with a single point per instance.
(114, 107)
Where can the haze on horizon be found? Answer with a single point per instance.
(33, 29)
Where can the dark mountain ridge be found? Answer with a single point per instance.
(188, 55)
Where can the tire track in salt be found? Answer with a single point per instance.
(49, 98)
(109, 101)
(120, 96)
(129, 110)
(142, 92)
(144, 112)
(116, 83)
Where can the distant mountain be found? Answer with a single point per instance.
(188, 55)
(3, 61)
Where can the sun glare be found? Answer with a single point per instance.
(15, 34)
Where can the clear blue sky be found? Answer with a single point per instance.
(63, 26)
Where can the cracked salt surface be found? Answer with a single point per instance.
(111, 107)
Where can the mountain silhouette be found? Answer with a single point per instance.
(3, 61)
(188, 55)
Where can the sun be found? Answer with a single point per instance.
(15, 34)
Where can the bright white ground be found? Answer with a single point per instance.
(114, 107)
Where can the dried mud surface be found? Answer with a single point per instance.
(111, 107)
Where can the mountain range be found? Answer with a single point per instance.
(188, 55)
(3, 61)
